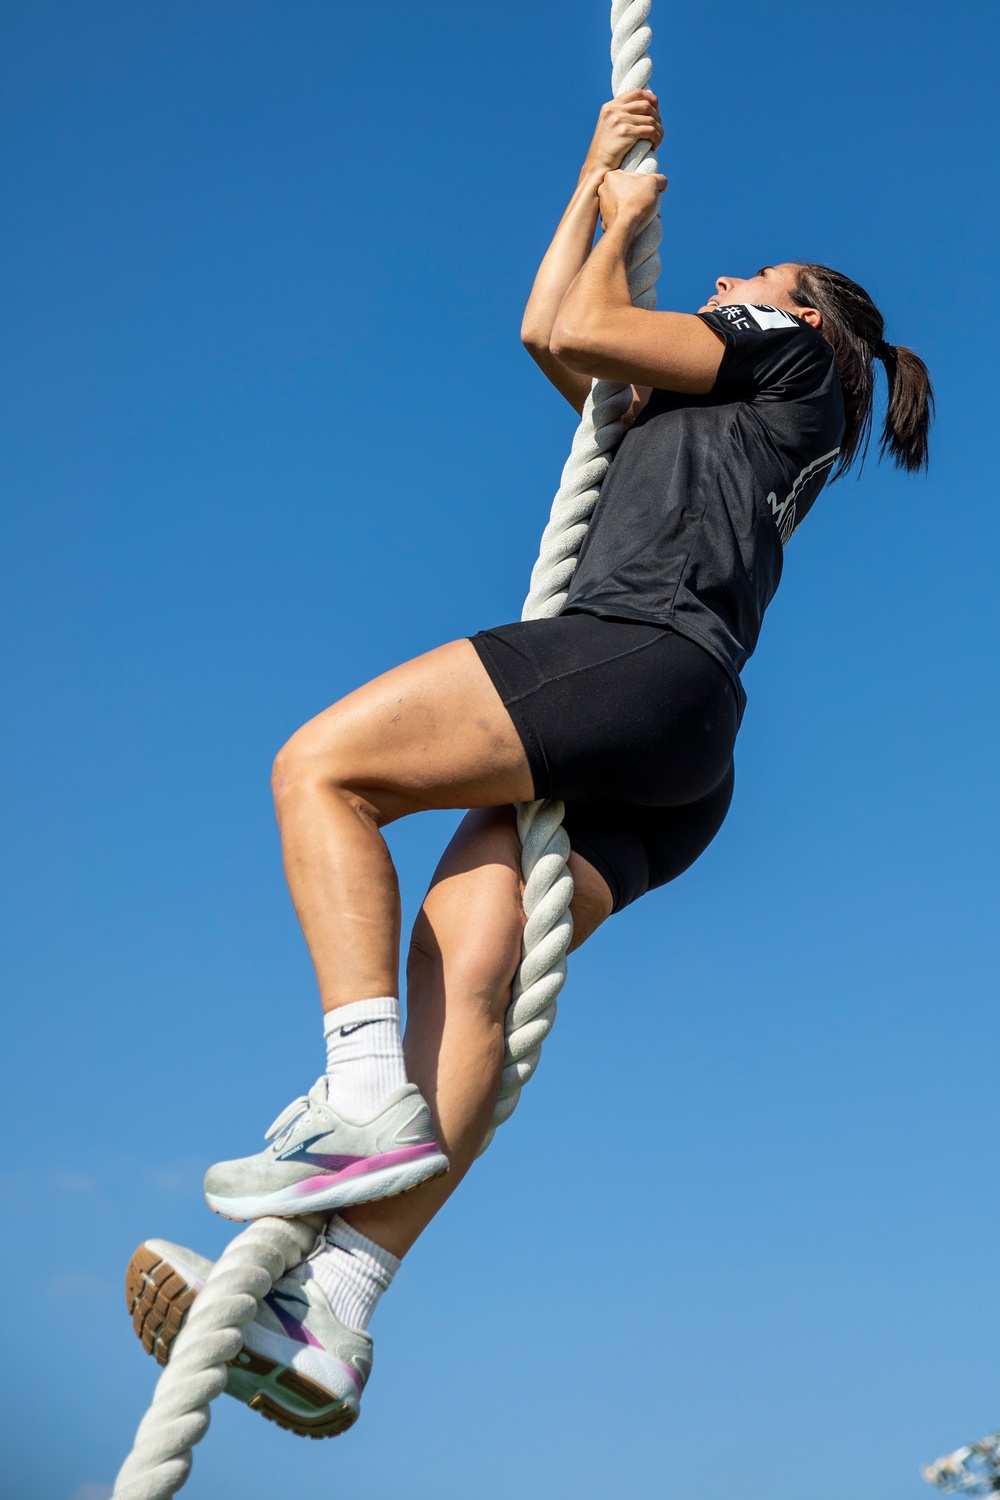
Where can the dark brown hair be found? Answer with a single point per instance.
(856, 329)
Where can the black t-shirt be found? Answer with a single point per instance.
(704, 491)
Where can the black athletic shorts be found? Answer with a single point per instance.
(633, 726)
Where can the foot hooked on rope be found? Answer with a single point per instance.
(320, 1161)
(300, 1366)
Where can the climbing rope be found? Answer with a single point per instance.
(548, 885)
(178, 1416)
(212, 1334)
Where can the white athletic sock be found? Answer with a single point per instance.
(353, 1272)
(364, 1056)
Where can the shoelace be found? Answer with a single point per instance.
(292, 1111)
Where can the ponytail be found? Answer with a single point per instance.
(854, 326)
(909, 409)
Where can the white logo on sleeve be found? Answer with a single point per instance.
(772, 317)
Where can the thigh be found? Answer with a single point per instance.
(431, 733)
(614, 709)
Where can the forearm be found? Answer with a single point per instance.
(630, 117)
(600, 335)
(570, 247)
(597, 296)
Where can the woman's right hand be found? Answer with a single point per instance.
(633, 116)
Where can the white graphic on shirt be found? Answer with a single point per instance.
(772, 317)
(784, 514)
(735, 315)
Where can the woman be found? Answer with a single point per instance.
(626, 705)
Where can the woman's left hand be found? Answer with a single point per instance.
(629, 196)
(632, 117)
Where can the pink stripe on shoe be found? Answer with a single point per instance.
(353, 1374)
(368, 1164)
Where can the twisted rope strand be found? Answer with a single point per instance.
(178, 1416)
(548, 884)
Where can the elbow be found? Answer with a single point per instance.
(534, 338)
(569, 344)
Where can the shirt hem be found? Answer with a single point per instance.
(691, 633)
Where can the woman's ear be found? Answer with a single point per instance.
(810, 315)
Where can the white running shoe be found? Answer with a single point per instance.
(320, 1162)
(299, 1366)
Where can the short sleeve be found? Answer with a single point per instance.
(770, 355)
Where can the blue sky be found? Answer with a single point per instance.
(268, 431)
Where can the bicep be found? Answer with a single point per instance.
(672, 351)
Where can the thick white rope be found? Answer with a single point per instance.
(212, 1334)
(178, 1416)
(548, 885)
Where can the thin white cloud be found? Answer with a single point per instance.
(78, 1284)
(180, 1177)
(73, 1182)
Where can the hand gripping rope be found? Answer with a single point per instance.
(178, 1417)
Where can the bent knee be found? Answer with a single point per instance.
(295, 764)
(310, 762)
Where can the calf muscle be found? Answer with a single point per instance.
(463, 958)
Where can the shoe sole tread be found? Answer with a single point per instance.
(158, 1297)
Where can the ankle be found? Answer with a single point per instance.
(364, 1051)
(353, 1272)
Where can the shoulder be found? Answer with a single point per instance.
(743, 322)
(742, 317)
(771, 352)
